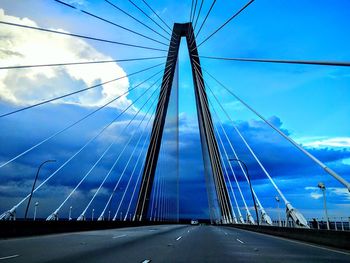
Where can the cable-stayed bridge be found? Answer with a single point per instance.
(141, 141)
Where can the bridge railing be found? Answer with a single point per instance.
(335, 223)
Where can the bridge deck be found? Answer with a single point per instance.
(166, 243)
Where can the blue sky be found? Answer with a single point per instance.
(309, 103)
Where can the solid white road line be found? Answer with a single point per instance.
(179, 238)
(240, 241)
(8, 257)
(120, 236)
(301, 243)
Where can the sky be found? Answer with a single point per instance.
(309, 103)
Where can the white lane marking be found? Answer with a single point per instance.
(120, 236)
(146, 261)
(225, 233)
(8, 257)
(240, 241)
(178, 238)
(299, 242)
(188, 231)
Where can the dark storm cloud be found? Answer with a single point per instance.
(20, 132)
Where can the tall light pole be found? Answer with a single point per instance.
(250, 186)
(70, 214)
(35, 210)
(323, 189)
(278, 210)
(36, 178)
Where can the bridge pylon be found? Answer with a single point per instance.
(210, 150)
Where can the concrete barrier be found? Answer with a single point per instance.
(9, 229)
(338, 239)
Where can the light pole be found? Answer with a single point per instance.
(323, 189)
(92, 214)
(250, 186)
(70, 214)
(35, 210)
(278, 210)
(36, 178)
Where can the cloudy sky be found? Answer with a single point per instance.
(309, 103)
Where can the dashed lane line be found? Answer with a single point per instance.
(240, 241)
(8, 257)
(120, 236)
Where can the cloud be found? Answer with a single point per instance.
(19, 46)
(342, 192)
(315, 194)
(282, 161)
(336, 142)
(234, 105)
(330, 191)
(77, 2)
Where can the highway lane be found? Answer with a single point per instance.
(165, 243)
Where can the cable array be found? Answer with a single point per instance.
(132, 164)
(112, 23)
(81, 36)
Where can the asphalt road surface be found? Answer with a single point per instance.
(165, 243)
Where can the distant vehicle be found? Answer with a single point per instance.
(194, 222)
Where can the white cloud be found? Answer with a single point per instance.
(19, 46)
(346, 161)
(340, 191)
(315, 195)
(78, 2)
(234, 105)
(323, 142)
(335, 191)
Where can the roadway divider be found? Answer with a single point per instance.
(10, 229)
(331, 238)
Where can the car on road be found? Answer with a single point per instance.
(194, 222)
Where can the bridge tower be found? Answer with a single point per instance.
(210, 151)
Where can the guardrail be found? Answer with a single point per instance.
(335, 223)
(332, 238)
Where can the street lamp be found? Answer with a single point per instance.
(323, 189)
(35, 210)
(70, 214)
(278, 210)
(36, 177)
(250, 186)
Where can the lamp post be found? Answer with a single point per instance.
(36, 178)
(323, 189)
(250, 186)
(278, 210)
(70, 214)
(35, 210)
